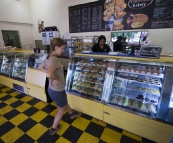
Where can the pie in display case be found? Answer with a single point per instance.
(20, 66)
(137, 87)
(7, 64)
(86, 77)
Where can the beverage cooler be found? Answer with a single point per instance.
(142, 88)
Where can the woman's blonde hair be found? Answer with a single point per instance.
(55, 42)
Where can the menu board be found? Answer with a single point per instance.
(163, 14)
(113, 15)
(86, 17)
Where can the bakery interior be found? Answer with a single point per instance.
(128, 94)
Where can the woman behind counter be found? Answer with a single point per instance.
(101, 46)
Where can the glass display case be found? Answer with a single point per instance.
(137, 87)
(20, 66)
(86, 77)
(1, 60)
(36, 59)
(7, 64)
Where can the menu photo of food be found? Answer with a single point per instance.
(136, 20)
(114, 14)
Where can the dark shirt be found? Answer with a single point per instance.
(96, 48)
(118, 46)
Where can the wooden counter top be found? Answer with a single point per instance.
(19, 51)
(168, 60)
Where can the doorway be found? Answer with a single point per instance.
(11, 38)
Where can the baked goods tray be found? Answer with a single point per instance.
(150, 75)
(99, 82)
(140, 79)
(140, 96)
(134, 104)
(145, 88)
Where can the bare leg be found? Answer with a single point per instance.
(68, 109)
(58, 117)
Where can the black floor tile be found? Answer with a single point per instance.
(1, 141)
(47, 121)
(5, 98)
(20, 96)
(27, 124)
(95, 129)
(86, 117)
(33, 101)
(6, 127)
(72, 134)
(147, 141)
(11, 114)
(100, 141)
(10, 91)
(49, 108)
(16, 104)
(125, 139)
(29, 112)
(46, 138)
(2, 87)
(24, 139)
(114, 128)
(2, 104)
(66, 118)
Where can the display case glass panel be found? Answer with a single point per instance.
(137, 87)
(20, 66)
(87, 77)
(1, 60)
(7, 64)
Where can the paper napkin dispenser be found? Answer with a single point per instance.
(150, 51)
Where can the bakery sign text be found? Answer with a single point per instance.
(138, 4)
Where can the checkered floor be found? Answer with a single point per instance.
(27, 120)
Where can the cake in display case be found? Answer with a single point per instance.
(7, 64)
(86, 77)
(20, 66)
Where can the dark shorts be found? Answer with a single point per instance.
(59, 97)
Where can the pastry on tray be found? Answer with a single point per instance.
(151, 108)
(121, 100)
(95, 93)
(142, 106)
(126, 101)
(135, 104)
(156, 91)
(150, 90)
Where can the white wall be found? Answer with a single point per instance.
(16, 15)
(55, 12)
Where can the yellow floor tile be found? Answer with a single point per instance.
(5, 110)
(99, 122)
(62, 140)
(3, 94)
(37, 131)
(40, 115)
(6, 89)
(111, 136)
(40, 105)
(23, 107)
(133, 136)
(11, 100)
(18, 119)
(87, 138)
(26, 98)
(2, 120)
(15, 93)
(12, 135)
(64, 127)
(81, 123)
(53, 103)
